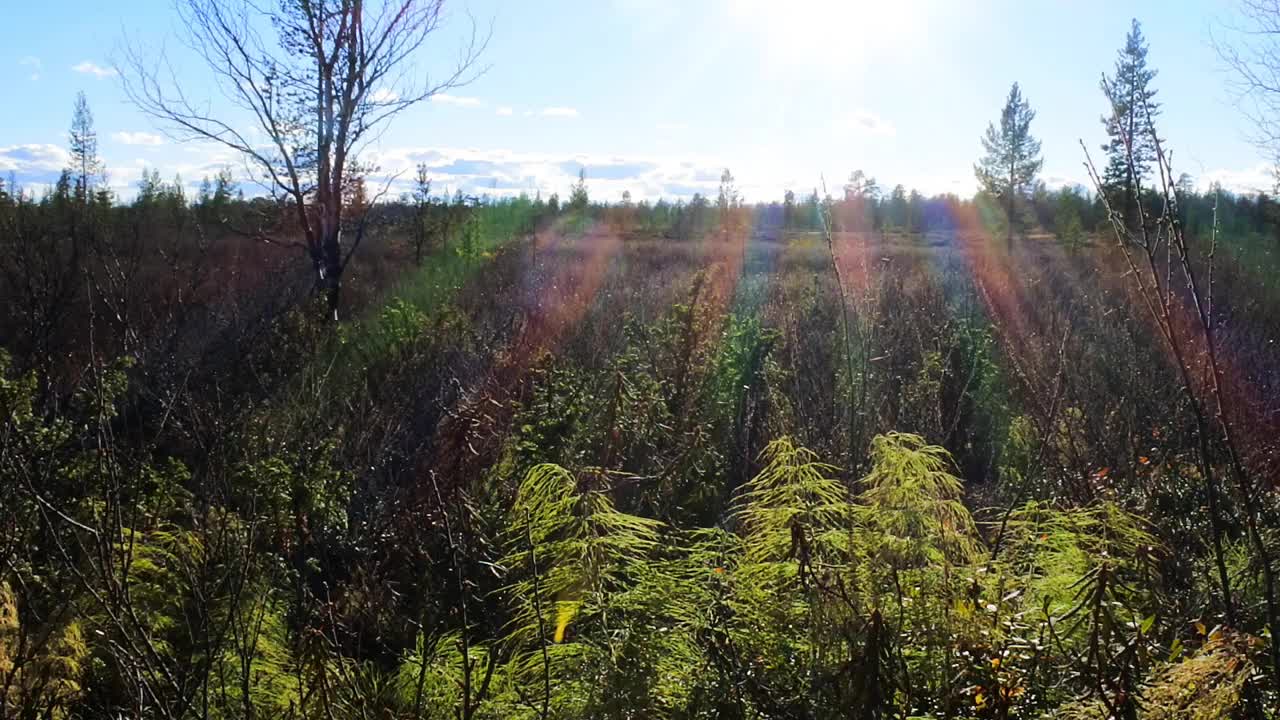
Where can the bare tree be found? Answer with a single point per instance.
(1250, 48)
(333, 76)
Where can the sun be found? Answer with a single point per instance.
(830, 33)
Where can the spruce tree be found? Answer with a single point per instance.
(1011, 164)
(1133, 106)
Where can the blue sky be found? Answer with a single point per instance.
(656, 96)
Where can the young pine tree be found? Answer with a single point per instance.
(1130, 148)
(1012, 160)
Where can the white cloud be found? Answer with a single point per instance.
(1247, 181)
(91, 68)
(499, 172)
(34, 163)
(15, 158)
(459, 100)
(560, 112)
(505, 111)
(671, 126)
(34, 63)
(1057, 181)
(383, 95)
(930, 184)
(197, 160)
(137, 138)
(866, 122)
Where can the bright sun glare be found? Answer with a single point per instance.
(839, 33)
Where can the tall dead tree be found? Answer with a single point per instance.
(316, 80)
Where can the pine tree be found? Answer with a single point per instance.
(1132, 108)
(84, 150)
(1013, 160)
(223, 185)
(578, 197)
(861, 185)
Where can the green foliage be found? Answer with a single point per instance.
(1068, 228)
(431, 679)
(1056, 549)
(41, 669)
(258, 671)
(569, 552)
(297, 488)
(574, 545)
(1080, 581)
(1211, 684)
(401, 324)
(792, 514)
(912, 501)
(156, 561)
(470, 238)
